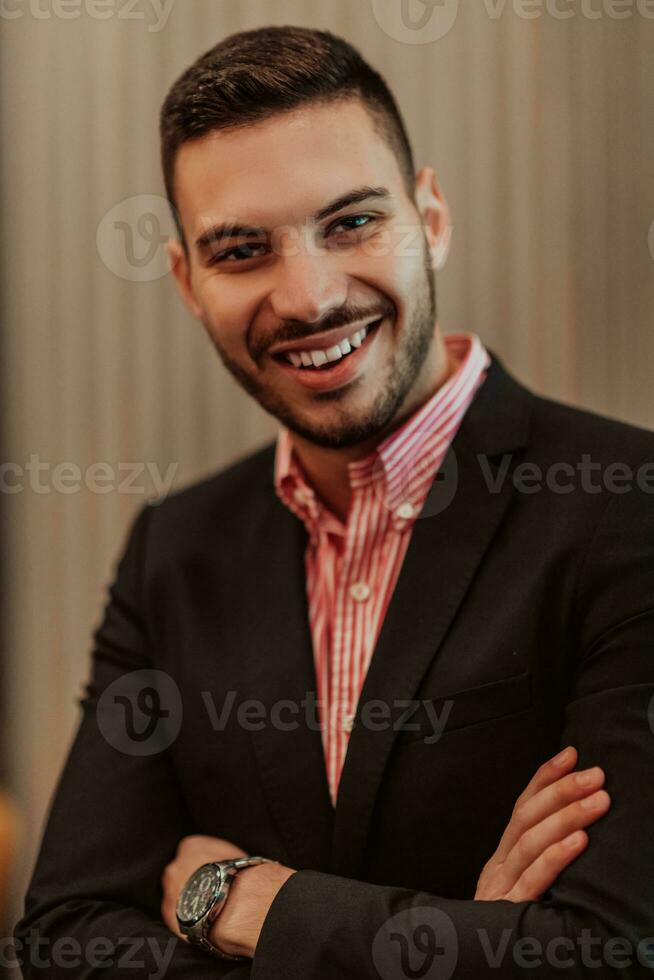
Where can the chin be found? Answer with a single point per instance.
(347, 430)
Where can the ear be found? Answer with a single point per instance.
(435, 215)
(179, 266)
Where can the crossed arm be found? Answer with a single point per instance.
(597, 918)
(96, 892)
(545, 833)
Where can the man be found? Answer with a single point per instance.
(349, 653)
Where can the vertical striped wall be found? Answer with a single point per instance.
(541, 132)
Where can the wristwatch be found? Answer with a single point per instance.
(203, 898)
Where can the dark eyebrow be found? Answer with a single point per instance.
(233, 230)
(352, 197)
(228, 230)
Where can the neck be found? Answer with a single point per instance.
(327, 468)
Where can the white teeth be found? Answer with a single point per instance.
(334, 353)
(316, 358)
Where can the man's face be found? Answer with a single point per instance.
(321, 306)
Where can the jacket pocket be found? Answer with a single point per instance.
(427, 719)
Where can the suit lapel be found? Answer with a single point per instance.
(448, 542)
(280, 674)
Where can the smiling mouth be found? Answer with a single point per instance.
(324, 358)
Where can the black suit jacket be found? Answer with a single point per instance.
(529, 614)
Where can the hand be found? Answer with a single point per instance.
(536, 845)
(192, 853)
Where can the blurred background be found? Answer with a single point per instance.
(538, 119)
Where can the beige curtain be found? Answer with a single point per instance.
(541, 131)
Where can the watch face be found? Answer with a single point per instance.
(199, 894)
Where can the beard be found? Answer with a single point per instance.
(348, 427)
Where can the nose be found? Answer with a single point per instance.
(307, 287)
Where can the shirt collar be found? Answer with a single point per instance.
(403, 463)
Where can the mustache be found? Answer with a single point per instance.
(291, 330)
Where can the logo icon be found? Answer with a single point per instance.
(132, 236)
(416, 944)
(444, 486)
(416, 21)
(141, 712)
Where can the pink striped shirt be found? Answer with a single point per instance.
(351, 569)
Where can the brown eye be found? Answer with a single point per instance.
(239, 253)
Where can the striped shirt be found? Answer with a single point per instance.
(351, 569)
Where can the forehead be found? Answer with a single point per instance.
(281, 169)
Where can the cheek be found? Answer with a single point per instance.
(394, 264)
(409, 271)
(227, 314)
(373, 275)
(408, 251)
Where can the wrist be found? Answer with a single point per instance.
(237, 929)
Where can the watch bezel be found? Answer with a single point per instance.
(211, 904)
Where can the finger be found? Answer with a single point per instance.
(546, 801)
(543, 872)
(551, 770)
(549, 773)
(533, 843)
(553, 798)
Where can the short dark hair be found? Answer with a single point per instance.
(253, 75)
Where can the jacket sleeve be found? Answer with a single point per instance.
(598, 918)
(92, 907)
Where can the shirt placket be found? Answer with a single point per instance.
(353, 594)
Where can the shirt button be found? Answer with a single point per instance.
(301, 496)
(360, 591)
(348, 722)
(405, 511)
